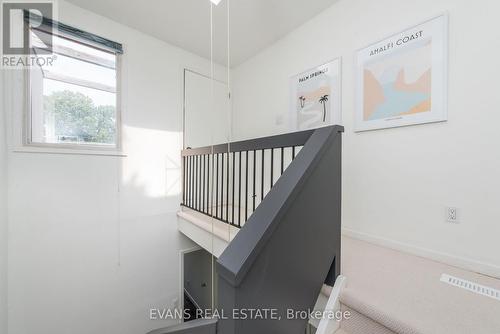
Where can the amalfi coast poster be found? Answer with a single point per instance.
(402, 79)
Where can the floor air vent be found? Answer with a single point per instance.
(471, 286)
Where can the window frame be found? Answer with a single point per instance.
(74, 147)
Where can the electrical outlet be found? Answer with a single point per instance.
(452, 215)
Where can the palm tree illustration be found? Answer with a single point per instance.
(302, 101)
(323, 101)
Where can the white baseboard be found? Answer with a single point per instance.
(452, 260)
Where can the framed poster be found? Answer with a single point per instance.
(401, 80)
(315, 97)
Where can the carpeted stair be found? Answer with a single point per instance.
(391, 292)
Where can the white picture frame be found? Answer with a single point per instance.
(402, 79)
(315, 96)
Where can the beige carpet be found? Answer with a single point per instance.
(341, 331)
(361, 324)
(404, 293)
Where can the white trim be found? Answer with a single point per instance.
(81, 55)
(119, 102)
(211, 235)
(67, 151)
(183, 252)
(219, 229)
(78, 82)
(449, 259)
(192, 299)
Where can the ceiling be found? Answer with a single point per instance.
(254, 24)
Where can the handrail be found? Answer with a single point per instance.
(277, 141)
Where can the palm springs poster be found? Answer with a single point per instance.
(315, 97)
(401, 80)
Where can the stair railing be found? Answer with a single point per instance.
(228, 181)
(289, 247)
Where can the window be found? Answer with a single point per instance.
(74, 99)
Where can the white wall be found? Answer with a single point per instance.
(205, 126)
(3, 216)
(93, 239)
(397, 182)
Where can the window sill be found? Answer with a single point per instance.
(66, 151)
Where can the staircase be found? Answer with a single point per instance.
(282, 194)
(388, 291)
(269, 210)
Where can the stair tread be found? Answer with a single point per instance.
(404, 293)
(341, 331)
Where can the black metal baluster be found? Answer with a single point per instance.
(183, 180)
(207, 194)
(293, 152)
(199, 183)
(222, 190)
(232, 201)
(186, 202)
(239, 192)
(253, 179)
(187, 179)
(246, 186)
(227, 187)
(217, 187)
(192, 182)
(193, 195)
(186, 176)
(210, 188)
(195, 203)
(282, 159)
(272, 166)
(207, 181)
(202, 197)
(262, 177)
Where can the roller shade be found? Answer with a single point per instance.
(61, 29)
